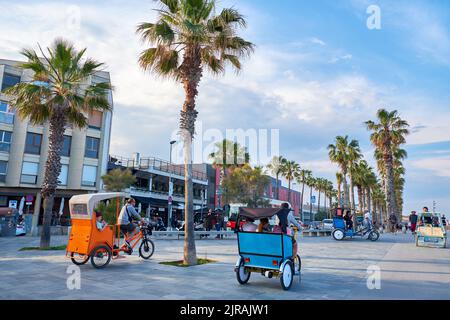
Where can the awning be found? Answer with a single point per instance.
(154, 202)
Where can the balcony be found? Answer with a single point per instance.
(154, 164)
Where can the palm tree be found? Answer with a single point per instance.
(187, 39)
(354, 155)
(339, 179)
(57, 94)
(345, 154)
(311, 182)
(388, 133)
(290, 170)
(319, 186)
(229, 155)
(303, 176)
(275, 167)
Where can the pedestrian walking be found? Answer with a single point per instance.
(413, 221)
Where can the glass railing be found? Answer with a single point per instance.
(157, 164)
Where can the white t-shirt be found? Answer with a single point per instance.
(249, 227)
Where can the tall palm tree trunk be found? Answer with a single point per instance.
(289, 192)
(360, 198)
(52, 171)
(391, 199)
(311, 204)
(301, 202)
(318, 203)
(346, 191)
(339, 195)
(192, 73)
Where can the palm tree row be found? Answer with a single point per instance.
(383, 196)
(291, 171)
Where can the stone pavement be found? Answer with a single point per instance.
(331, 270)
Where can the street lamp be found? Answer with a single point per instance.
(170, 200)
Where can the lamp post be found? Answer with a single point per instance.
(170, 199)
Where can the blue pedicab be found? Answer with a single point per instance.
(340, 230)
(267, 253)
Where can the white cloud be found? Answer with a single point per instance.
(439, 166)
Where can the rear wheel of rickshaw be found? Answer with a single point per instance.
(146, 249)
(79, 259)
(338, 235)
(242, 273)
(287, 276)
(374, 236)
(101, 257)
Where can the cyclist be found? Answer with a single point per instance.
(125, 221)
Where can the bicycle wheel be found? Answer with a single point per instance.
(101, 257)
(79, 259)
(146, 249)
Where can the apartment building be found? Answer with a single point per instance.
(24, 149)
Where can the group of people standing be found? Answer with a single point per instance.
(426, 218)
(215, 220)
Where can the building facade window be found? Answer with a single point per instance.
(6, 116)
(33, 143)
(62, 179)
(5, 140)
(65, 151)
(92, 146)
(95, 120)
(89, 178)
(29, 173)
(3, 170)
(9, 80)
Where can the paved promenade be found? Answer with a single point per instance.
(332, 270)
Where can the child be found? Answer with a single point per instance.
(101, 224)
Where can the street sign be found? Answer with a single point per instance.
(13, 204)
(313, 199)
(29, 200)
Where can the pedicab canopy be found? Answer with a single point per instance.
(82, 206)
(261, 213)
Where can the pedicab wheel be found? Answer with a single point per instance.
(242, 274)
(101, 257)
(338, 235)
(287, 276)
(146, 249)
(79, 259)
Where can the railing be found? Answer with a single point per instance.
(156, 164)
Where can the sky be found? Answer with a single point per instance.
(318, 71)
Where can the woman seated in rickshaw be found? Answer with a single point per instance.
(249, 225)
(264, 226)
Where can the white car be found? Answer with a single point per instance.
(327, 224)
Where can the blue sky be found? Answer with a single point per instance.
(317, 72)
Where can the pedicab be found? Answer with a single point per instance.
(340, 230)
(270, 254)
(431, 232)
(87, 242)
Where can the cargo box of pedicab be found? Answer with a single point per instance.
(431, 231)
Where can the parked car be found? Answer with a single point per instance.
(327, 224)
(315, 225)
